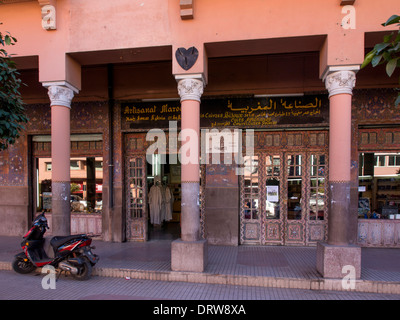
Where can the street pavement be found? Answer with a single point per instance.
(15, 286)
(175, 300)
(141, 272)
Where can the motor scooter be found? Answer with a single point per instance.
(71, 254)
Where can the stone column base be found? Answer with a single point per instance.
(189, 256)
(332, 258)
(61, 208)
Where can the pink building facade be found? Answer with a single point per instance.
(101, 74)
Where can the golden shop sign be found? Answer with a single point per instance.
(232, 112)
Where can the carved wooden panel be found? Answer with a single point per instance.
(382, 139)
(78, 148)
(294, 233)
(273, 232)
(288, 140)
(378, 233)
(362, 237)
(135, 143)
(388, 234)
(317, 232)
(372, 106)
(251, 231)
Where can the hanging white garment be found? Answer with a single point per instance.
(169, 201)
(155, 202)
(162, 213)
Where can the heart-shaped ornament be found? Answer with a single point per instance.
(186, 58)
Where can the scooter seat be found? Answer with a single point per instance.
(59, 240)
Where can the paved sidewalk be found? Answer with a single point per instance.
(258, 266)
(16, 287)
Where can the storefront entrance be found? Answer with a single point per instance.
(146, 218)
(283, 194)
(153, 193)
(379, 187)
(86, 182)
(284, 199)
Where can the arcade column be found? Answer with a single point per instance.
(338, 252)
(60, 97)
(190, 252)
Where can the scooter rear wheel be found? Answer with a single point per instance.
(85, 271)
(22, 265)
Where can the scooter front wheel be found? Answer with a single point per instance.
(22, 265)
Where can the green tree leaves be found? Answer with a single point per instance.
(12, 111)
(386, 52)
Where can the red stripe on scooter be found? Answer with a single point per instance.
(41, 264)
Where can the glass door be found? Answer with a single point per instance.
(250, 220)
(284, 199)
(294, 211)
(136, 208)
(273, 222)
(317, 200)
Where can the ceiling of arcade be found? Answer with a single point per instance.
(234, 68)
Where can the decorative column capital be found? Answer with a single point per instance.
(60, 92)
(340, 82)
(190, 89)
(60, 96)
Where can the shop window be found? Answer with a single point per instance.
(136, 196)
(75, 165)
(86, 184)
(294, 186)
(251, 188)
(272, 209)
(394, 161)
(99, 165)
(317, 187)
(379, 189)
(380, 161)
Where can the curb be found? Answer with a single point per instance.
(365, 286)
(238, 280)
